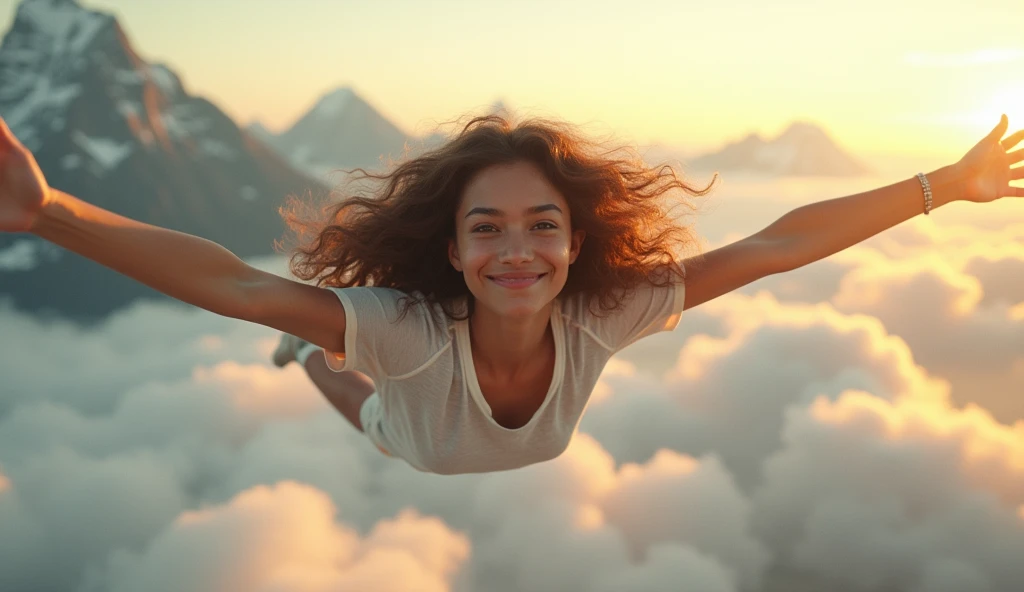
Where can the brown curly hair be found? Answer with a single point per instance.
(397, 237)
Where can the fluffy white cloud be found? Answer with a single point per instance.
(728, 394)
(285, 538)
(910, 495)
(948, 290)
(767, 444)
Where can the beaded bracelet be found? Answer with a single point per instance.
(927, 192)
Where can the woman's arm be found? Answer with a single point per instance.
(817, 230)
(821, 229)
(186, 267)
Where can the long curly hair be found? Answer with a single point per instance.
(396, 236)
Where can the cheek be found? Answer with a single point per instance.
(475, 255)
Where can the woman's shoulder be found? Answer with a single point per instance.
(410, 307)
(623, 314)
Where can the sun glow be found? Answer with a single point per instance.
(1009, 100)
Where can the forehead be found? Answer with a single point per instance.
(511, 188)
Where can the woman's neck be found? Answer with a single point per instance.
(505, 347)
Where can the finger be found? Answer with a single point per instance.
(999, 130)
(1013, 140)
(1016, 192)
(6, 137)
(1016, 155)
(1017, 173)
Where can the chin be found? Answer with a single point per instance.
(512, 308)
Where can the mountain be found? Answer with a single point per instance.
(803, 149)
(124, 134)
(343, 131)
(340, 131)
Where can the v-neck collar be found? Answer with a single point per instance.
(469, 376)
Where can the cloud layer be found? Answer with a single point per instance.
(853, 425)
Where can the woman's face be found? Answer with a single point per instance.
(513, 241)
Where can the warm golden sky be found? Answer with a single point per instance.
(881, 76)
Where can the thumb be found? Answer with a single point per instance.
(6, 136)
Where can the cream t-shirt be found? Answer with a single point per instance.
(434, 414)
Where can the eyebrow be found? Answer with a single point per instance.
(530, 210)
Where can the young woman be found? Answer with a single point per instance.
(467, 308)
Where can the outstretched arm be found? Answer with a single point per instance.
(818, 230)
(186, 267)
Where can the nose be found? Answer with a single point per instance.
(516, 249)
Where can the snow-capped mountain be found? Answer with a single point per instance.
(124, 134)
(340, 131)
(803, 149)
(343, 131)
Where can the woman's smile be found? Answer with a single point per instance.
(516, 281)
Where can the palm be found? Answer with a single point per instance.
(986, 167)
(22, 185)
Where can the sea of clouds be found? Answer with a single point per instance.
(854, 425)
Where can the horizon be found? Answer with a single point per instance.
(914, 91)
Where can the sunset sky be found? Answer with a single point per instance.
(852, 425)
(903, 77)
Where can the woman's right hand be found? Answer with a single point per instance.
(23, 188)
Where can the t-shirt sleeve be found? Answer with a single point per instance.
(649, 309)
(376, 342)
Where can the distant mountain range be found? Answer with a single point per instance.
(124, 134)
(803, 149)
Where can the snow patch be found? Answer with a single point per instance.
(164, 78)
(182, 124)
(43, 95)
(333, 103)
(71, 161)
(128, 77)
(71, 28)
(216, 148)
(104, 151)
(128, 109)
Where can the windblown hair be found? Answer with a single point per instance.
(397, 237)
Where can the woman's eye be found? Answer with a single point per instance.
(550, 225)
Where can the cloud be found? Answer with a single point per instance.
(728, 394)
(285, 538)
(907, 495)
(949, 292)
(766, 444)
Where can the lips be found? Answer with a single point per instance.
(516, 280)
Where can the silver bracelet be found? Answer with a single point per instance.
(927, 192)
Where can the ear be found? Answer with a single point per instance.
(577, 244)
(453, 255)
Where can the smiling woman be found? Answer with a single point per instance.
(471, 198)
(486, 284)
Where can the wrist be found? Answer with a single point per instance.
(946, 185)
(51, 202)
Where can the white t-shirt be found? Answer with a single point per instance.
(434, 414)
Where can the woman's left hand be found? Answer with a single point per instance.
(986, 171)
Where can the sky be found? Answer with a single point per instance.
(855, 425)
(910, 77)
